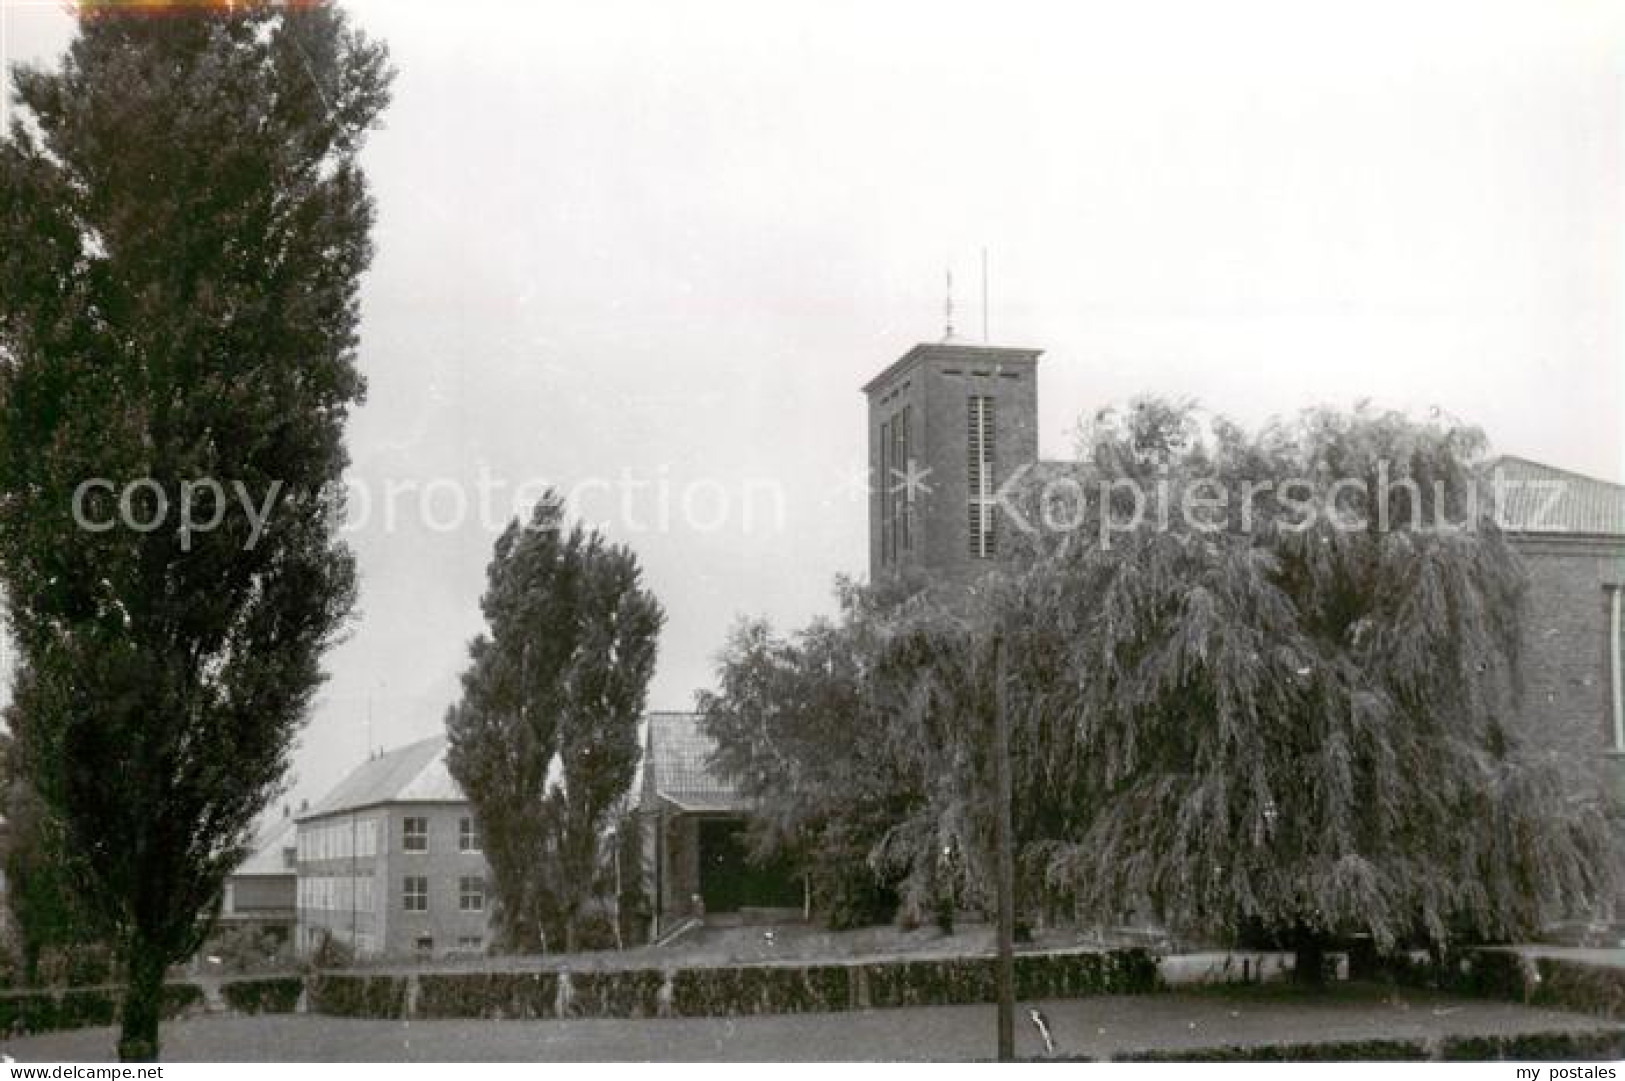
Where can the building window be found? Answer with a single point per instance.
(468, 835)
(424, 944)
(470, 942)
(981, 430)
(415, 835)
(415, 893)
(1616, 665)
(471, 894)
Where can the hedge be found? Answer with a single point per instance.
(180, 997)
(1511, 977)
(1594, 989)
(1078, 975)
(276, 995)
(953, 981)
(82, 1007)
(1532, 1047)
(1374, 1050)
(759, 989)
(358, 996)
(735, 990)
(493, 995)
(1535, 1047)
(620, 993)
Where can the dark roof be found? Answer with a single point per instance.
(1534, 498)
(415, 773)
(676, 767)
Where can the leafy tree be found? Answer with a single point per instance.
(42, 890)
(798, 735)
(545, 737)
(1298, 712)
(186, 222)
(1270, 713)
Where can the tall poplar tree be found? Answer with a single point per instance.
(545, 738)
(184, 225)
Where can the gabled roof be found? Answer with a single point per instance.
(1531, 497)
(415, 773)
(267, 857)
(677, 771)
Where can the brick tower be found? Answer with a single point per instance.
(948, 424)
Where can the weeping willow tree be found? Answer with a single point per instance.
(1256, 683)
(1294, 704)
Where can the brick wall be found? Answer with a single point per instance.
(444, 924)
(1567, 679)
(1565, 666)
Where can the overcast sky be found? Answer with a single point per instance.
(665, 244)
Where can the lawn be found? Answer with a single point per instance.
(1094, 1027)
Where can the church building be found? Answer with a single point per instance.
(950, 423)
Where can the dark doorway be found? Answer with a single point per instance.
(729, 880)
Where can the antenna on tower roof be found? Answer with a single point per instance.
(948, 309)
(985, 339)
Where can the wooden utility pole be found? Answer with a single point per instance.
(1005, 968)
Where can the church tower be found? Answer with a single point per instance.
(949, 423)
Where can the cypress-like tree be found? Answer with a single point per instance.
(185, 222)
(545, 737)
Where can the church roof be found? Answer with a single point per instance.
(415, 773)
(1531, 497)
(677, 767)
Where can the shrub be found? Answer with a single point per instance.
(1075, 975)
(595, 931)
(332, 953)
(82, 1007)
(499, 995)
(948, 981)
(1376, 1050)
(627, 993)
(76, 966)
(718, 992)
(245, 950)
(358, 996)
(263, 996)
(1595, 989)
(180, 997)
(1535, 1047)
(86, 1008)
(27, 1013)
